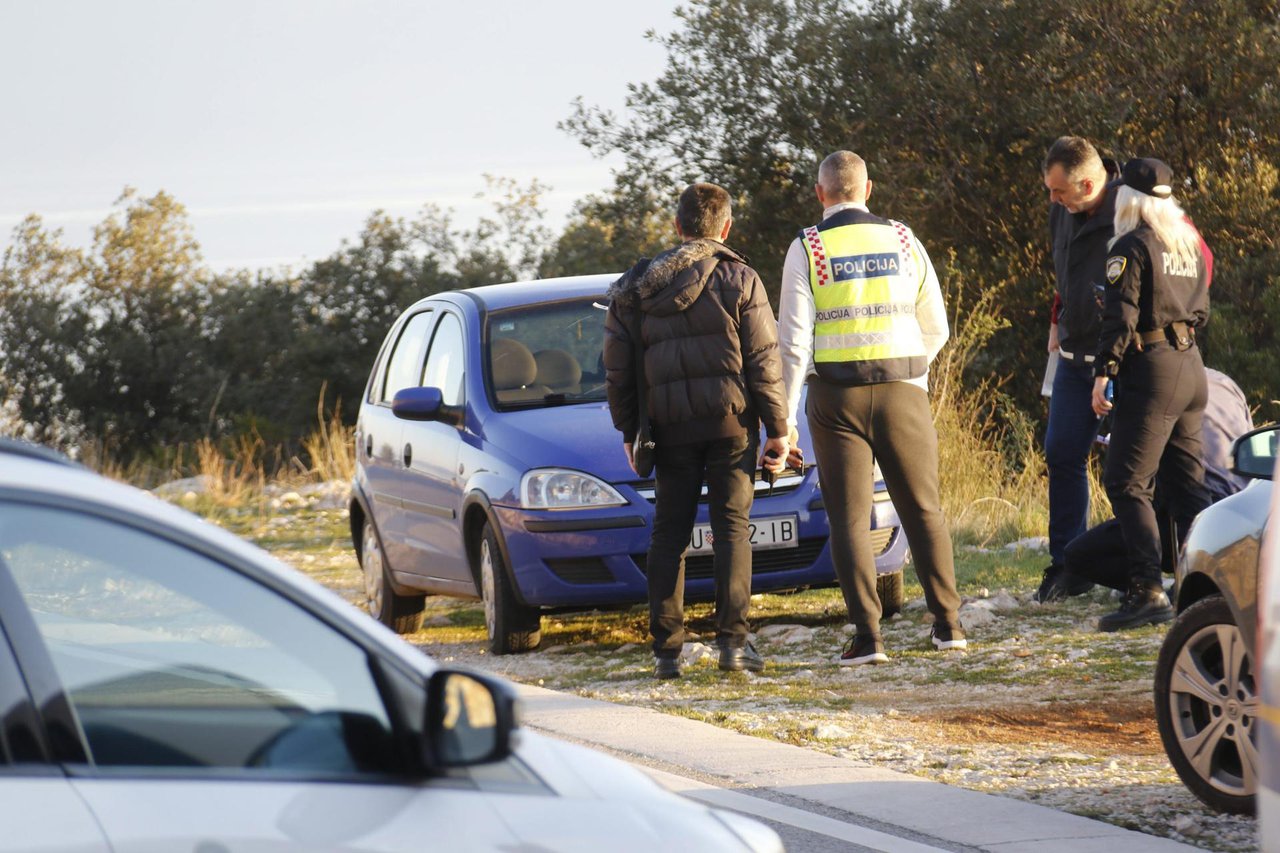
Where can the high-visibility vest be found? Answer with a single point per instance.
(866, 278)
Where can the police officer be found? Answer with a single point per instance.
(861, 316)
(1156, 297)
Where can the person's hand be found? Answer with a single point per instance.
(1053, 337)
(626, 448)
(1101, 405)
(780, 448)
(795, 459)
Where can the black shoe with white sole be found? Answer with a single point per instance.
(863, 649)
(948, 637)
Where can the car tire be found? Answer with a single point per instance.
(1206, 705)
(889, 588)
(401, 613)
(512, 626)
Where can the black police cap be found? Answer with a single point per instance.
(1146, 175)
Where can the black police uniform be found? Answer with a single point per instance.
(1154, 303)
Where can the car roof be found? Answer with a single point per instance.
(495, 297)
(45, 474)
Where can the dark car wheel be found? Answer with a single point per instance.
(889, 588)
(1207, 704)
(512, 626)
(401, 613)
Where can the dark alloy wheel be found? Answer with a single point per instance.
(1207, 704)
(512, 626)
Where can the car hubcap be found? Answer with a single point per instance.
(1214, 702)
(372, 565)
(487, 587)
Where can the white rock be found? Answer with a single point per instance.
(1031, 543)
(627, 647)
(692, 653)
(979, 604)
(1077, 654)
(201, 485)
(830, 732)
(768, 632)
(291, 499)
(913, 604)
(1002, 600)
(973, 617)
(1186, 824)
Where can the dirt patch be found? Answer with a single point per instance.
(1105, 728)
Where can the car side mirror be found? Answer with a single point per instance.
(425, 404)
(471, 719)
(1254, 453)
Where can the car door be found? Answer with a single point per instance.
(433, 487)
(38, 806)
(194, 707)
(379, 437)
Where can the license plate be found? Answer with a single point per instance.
(775, 531)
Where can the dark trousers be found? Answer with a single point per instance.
(1099, 554)
(1072, 428)
(728, 467)
(891, 423)
(1160, 397)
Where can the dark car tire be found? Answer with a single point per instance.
(512, 626)
(401, 613)
(889, 588)
(1196, 693)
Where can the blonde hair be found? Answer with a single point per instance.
(1165, 217)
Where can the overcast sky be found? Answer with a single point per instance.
(281, 124)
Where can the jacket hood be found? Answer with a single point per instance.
(674, 279)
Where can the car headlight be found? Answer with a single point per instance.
(557, 488)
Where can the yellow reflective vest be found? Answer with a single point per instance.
(866, 274)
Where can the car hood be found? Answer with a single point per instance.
(627, 806)
(579, 436)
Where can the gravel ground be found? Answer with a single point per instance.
(1041, 708)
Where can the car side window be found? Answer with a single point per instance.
(18, 743)
(172, 659)
(404, 367)
(445, 360)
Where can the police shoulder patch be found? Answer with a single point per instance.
(1115, 267)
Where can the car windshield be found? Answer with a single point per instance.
(548, 354)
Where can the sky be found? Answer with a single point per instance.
(282, 124)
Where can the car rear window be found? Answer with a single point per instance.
(546, 354)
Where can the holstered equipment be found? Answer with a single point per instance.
(1178, 335)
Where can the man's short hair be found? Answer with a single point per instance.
(1077, 157)
(843, 175)
(703, 210)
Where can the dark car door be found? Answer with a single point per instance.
(432, 486)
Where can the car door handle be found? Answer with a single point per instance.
(368, 446)
(408, 454)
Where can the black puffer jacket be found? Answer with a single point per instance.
(710, 347)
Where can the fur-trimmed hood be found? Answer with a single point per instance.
(674, 279)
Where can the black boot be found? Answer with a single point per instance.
(738, 658)
(1144, 604)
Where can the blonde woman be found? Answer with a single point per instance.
(1156, 296)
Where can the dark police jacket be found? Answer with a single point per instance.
(1147, 290)
(1079, 244)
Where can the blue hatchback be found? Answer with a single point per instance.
(488, 467)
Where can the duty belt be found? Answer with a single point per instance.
(1087, 359)
(1180, 335)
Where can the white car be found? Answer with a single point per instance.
(1268, 732)
(166, 686)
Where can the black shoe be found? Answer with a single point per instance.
(863, 649)
(665, 667)
(1049, 589)
(1144, 604)
(738, 658)
(948, 637)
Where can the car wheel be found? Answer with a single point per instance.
(889, 588)
(401, 613)
(512, 626)
(1207, 704)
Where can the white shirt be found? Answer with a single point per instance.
(796, 316)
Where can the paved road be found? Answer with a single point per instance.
(819, 802)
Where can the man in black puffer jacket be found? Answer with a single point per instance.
(712, 374)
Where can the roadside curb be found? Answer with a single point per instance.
(947, 814)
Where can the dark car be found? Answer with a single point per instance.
(488, 466)
(1206, 687)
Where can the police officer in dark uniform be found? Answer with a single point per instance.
(1156, 297)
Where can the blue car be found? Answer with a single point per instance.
(488, 467)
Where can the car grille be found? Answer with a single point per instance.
(881, 538)
(580, 570)
(787, 482)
